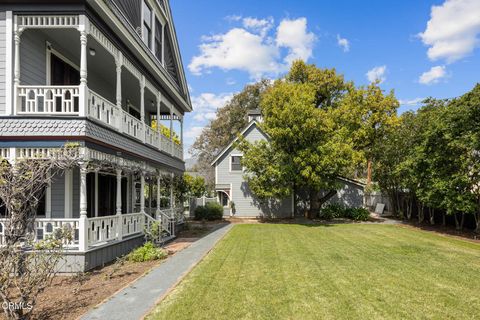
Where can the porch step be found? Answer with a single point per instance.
(167, 239)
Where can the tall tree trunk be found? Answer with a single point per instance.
(316, 202)
(421, 213)
(457, 223)
(431, 213)
(369, 172)
(462, 221)
(409, 209)
(477, 222)
(444, 219)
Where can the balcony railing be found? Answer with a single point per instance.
(65, 101)
(48, 100)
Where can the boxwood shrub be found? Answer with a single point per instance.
(211, 211)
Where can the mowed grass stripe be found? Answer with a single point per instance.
(356, 271)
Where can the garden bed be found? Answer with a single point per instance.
(71, 296)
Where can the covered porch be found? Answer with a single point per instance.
(105, 200)
(65, 66)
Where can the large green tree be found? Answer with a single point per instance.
(312, 142)
(230, 120)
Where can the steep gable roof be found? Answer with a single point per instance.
(251, 124)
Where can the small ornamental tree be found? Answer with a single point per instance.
(27, 267)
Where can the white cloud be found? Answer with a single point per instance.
(254, 48)
(262, 26)
(434, 75)
(453, 29)
(236, 49)
(411, 102)
(343, 43)
(377, 73)
(193, 132)
(293, 34)
(206, 105)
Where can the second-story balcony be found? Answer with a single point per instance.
(65, 67)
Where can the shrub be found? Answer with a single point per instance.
(200, 213)
(214, 211)
(332, 211)
(358, 214)
(335, 210)
(211, 211)
(147, 252)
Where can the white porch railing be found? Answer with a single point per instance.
(177, 151)
(132, 126)
(152, 137)
(47, 227)
(65, 100)
(56, 100)
(102, 230)
(132, 223)
(103, 110)
(44, 228)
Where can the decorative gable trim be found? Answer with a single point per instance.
(252, 123)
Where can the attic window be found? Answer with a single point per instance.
(236, 163)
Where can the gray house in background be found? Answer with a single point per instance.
(106, 75)
(231, 186)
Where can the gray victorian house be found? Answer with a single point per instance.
(106, 75)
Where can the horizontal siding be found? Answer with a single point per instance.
(58, 196)
(246, 204)
(76, 192)
(32, 58)
(3, 60)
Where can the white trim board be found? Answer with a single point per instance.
(253, 122)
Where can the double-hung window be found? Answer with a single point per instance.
(158, 40)
(147, 25)
(236, 163)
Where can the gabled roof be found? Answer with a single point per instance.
(252, 123)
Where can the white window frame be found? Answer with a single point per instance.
(152, 25)
(49, 51)
(230, 162)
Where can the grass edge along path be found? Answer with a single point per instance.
(289, 271)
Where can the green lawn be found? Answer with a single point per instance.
(354, 271)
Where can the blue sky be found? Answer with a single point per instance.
(418, 48)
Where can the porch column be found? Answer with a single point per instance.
(159, 125)
(83, 221)
(181, 135)
(48, 197)
(133, 193)
(159, 194)
(142, 192)
(172, 200)
(142, 106)
(16, 67)
(83, 99)
(119, 205)
(171, 129)
(119, 64)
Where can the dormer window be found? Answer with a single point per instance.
(147, 25)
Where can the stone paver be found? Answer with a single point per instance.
(140, 297)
